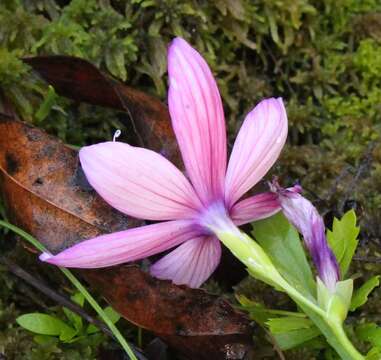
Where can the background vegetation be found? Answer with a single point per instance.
(322, 56)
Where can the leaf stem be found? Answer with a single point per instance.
(79, 287)
(332, 330)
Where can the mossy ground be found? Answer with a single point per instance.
(323, 57)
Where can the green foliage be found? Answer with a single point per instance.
(343, 240)
(113, 316)
(324, 310)
(291, 332)
(73, 318)
(47, 104)
(20, 344)
(289, 329)
(261, 314)
(370, 332)
(373, 354)
(288, 323)
(281, 243)
(45, 324)
(360, 296)
(68, 332)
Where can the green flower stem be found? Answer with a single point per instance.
(332, 330)
(79, 287)
(260, 266)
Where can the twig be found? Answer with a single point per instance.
(274, 343)
(61, 299)
(363, 167)
(332, 190)
(279, 68)
(33, 241)
(370, 259)
(358, 171)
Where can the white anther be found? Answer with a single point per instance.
(116, 135)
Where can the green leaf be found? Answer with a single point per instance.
(288, 323)
(45, 339)
(330, 354)
(291, 339)
(260, 313)
(290, 329)
(47, 104)
(45, 324)
(78, 298)
(281, 242)
(112, 315)
(67, 334)
(343, 239)
(257, 311)
(370, 332)
(360, 296)
(74, 318)
(373, 354)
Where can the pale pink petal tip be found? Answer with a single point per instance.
(191, 263)
(255, 208)
(45, 256)
(178, 42)
(124, 246)
(305, 217)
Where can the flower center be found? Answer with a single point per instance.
(215, 218)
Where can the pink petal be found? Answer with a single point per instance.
(198, 119)
(123, 246)
(307, 220)
(254, 208)
(258, 144)
(191, 263)
(138, 182)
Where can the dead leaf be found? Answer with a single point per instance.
(79, 80)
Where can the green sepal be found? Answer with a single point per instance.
(335, 304)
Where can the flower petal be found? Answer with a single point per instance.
(258, 144)
(138, 182)
(305, 217)
(191, 263)
(254, 208)
(198, 119)
(323, 256)
(123, 246)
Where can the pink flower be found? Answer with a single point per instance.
(145, 185)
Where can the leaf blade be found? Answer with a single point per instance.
(343, 240)
(281, 242)
(45, 324)
(360, 296)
